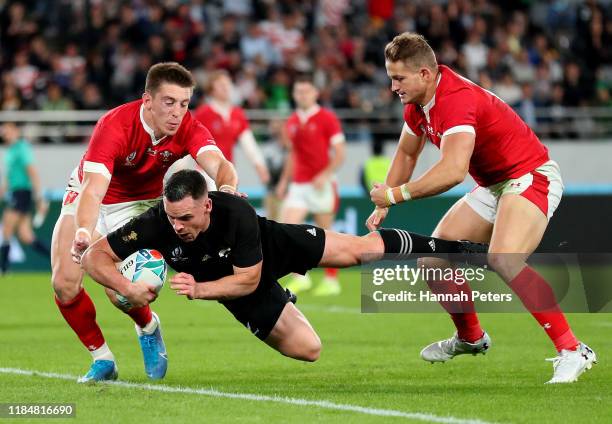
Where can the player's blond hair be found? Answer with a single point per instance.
(170, 73)
(412, 49)
(214, 76)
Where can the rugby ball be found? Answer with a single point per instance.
(145, 265)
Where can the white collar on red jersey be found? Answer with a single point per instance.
(305, 115)
(148, 129)
(223, 109)
(427, 107)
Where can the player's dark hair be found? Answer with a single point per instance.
(412, 49)
(306, 78)
(168, 72)
(186, 182)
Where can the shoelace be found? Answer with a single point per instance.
(556, 360)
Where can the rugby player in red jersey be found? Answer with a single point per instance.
(229, 124)
(316, 151)
(519, 188)
(120, 176)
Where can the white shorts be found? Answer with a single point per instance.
(305, 196)
(543, 187)
(110, 217)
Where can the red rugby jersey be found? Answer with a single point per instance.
(311, 137)
(505, 146)
(124, 149)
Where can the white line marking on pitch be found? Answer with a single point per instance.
(334, 309)
(260, 398)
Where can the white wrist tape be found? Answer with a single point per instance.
(389, 195)
(405, 193)
(83, 230)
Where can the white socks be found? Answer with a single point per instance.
(103, 352)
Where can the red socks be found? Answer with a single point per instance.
(331, 272)
(141, 316)
(534, 292)
(80, 314)
(540, 300)
(462, 313)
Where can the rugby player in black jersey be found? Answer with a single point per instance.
(223, 251)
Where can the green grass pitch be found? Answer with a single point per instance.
(219, 373)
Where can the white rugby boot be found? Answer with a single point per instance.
(445, 350)
(569, 364)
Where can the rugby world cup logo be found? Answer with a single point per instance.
(151, 260)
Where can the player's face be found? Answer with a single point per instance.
(409, 84)
(305, 95)
(167, 107)
(189, 217)
(222, 89)
(9, 132)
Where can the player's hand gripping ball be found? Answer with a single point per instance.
(147, 266)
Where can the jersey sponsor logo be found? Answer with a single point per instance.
(432, 244)
(224, 253)
(206, 257)
(312, 231)
(166, 155)
(151, 151)
(129, 159)
(130, 237)
(70, 197)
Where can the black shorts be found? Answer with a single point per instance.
(291, 248)
(20, 201)
(260, 310)
(287, 248)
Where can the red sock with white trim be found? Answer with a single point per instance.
(80, 314)
(540, 300)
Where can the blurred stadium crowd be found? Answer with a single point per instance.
(94, 54)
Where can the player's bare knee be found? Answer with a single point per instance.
(112, 296)
(65, 286)
(26, 238)
(500, 262)
(311, 349)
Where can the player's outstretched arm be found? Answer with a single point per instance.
(253, 152)
(219, 169)
(99, 262)
(286, 173)
(88, 208)
(404, 161)
(456, 151)
(243, 282)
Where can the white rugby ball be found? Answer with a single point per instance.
(146, 265)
